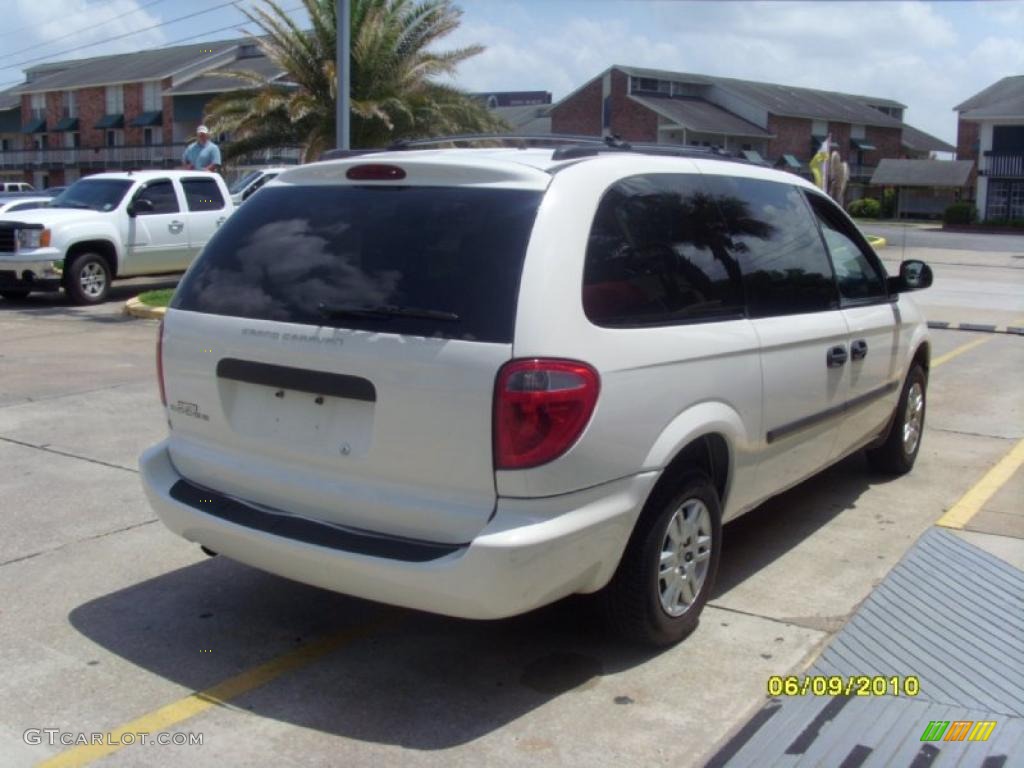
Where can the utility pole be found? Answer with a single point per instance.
(343, 68)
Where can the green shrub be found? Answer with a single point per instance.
(959, 213)
(865, 208)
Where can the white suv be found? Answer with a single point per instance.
(475, 381)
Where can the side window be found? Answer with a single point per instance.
(771, 233)
(161, 195)
(257, 185)
(655, 256)
(858, 274)
(202, 195)
(24, 207)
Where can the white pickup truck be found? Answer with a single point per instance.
(111, 225)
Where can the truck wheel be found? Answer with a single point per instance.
(87, 278)
(14, 294)
(669, 566)
(896, 456)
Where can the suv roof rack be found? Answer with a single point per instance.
(577, 146)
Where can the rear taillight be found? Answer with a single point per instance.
(540, 409)
(160, 362)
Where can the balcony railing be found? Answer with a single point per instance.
(136, 156)
(1003, 164)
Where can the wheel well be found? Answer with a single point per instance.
(709, 453)
(103, 247)
(923, 356)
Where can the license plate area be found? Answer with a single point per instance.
(299, 411)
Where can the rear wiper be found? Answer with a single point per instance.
(335, 310)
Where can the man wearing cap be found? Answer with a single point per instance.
(202, 154)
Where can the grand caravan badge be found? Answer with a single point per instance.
(189, 409)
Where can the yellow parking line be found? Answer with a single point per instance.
(960, 350)
(961, 513)
(167, 716)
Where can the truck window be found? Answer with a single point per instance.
(202, 194)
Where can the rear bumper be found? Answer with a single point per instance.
(532, 552)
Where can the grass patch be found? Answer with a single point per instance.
(160, 298)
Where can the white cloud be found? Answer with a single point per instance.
(43, 30)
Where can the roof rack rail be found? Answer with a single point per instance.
(615, 144)
(520, 139)
(578, 146)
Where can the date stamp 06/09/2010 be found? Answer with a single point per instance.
(843, 685)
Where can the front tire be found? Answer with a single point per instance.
(87, 278)
(896, 456)
(16, 294)
(669, 566)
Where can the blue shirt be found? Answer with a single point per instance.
(199, 156)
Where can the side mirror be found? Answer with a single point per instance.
(140, 205)
(914, 275)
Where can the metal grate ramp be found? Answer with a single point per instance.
(949, 613)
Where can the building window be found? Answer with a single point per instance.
(647, 84)
(115, 138)
(115, 100)
(857, 132)
(70, 104)
(72, 140)
(151, 136)
(819, 128)
(38, 106)
(151, 96)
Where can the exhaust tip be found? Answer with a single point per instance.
(207, 551)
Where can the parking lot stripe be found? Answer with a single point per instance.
(941, 359)
(178, 711)
(961, 513)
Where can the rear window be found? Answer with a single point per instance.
(309, 254)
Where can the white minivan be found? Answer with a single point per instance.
(475, 381)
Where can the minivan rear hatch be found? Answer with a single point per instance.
(332, 353)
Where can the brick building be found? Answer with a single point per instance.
(776, 124)
(136, 110)
(990, 133)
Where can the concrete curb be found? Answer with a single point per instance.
(977, 327)
(136, 308)
(877, 242)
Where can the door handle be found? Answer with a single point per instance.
(858, 350)
(836, 357)
(221, 220)
(176, 226)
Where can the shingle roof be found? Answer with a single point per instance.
(216, 81)
(701, 116)
(531, 120)
(922, 173)
(125, 67)
(1009, 89)
(918, 140)
(788, 100)
(9, 99)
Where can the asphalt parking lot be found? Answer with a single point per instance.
(112, 624)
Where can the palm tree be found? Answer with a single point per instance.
(394, 92)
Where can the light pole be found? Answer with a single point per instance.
(343, 69)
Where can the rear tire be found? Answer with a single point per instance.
(669, 566)
(896, 456)
(15, 294)
(87, 278)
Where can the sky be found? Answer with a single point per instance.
(928, 55)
